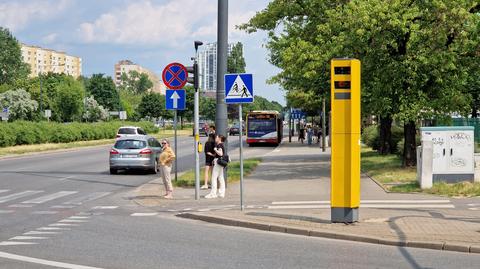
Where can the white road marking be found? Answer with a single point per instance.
(3, 191)
(6, 211)
(7, 243)
(144, 214)
(204, 209)
(51, 229)
(187, 209)
(46, 212)
(367, 202)
(474, 208)
(6, 255)
(361, 206)
(50, 197)
(20, 206)
(27, 238)
(17, 195)
(62, 225)
(38, 233)
(473, 204)
(73, 220)
(63, 206)
(79, 217)
(64, 178)
(104, 207)
(87, 198)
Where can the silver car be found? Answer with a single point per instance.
(135, 152)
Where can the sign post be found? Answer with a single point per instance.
(345, 134)
(175, 100)
(239, 90)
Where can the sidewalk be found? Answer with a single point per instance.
(296, 174)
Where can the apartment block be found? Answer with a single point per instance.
(43, 61)
(125, 66)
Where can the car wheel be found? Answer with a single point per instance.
(113, 171)
(155, 168)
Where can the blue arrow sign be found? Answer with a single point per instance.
(175, 99)
(238, 88)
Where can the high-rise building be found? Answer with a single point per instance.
(125, 66)
(207, 62)
(43, 61)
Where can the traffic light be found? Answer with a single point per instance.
(194, 71)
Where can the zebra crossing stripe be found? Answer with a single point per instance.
(27, 238)
(3, 191)
(50, 197)
(18, 195)
(39, 233)
(7, 243)
(6, 211)
(87, 198)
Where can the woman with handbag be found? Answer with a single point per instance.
(217, 173)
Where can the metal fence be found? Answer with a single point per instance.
(469, 122)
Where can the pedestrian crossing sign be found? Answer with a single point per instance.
(238, 88)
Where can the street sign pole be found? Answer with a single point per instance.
(175, 121)
(323, 126)
(290, 127)
(197, 136)
(242, 206)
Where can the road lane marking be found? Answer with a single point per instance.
(87, 198)
(50, 197)
(361, 206)
(104, 207)
(27, 238)
(367, 202)
(39, 233)
(62, 225)
(6, 211)
(17, 196)
(64, 178)
(73, 220)
(7, 243)
(20, 206)
(3, 191)
(6, 255)
(63, 206)
(46, 212)
(474, 208)
(144, 214)
(79, 217)
(52, 229)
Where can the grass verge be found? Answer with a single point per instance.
(169, 133)
(388, 171)
(249, 165)
(23, 149)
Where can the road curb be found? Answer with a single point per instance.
(434, 245)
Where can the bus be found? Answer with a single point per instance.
(264, 127)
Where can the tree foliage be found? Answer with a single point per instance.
(152, 106)
(19, 104)
(104, 91)
(12, 67)
(93, 111)
(235, 60)
(69, 100)
(135, 82)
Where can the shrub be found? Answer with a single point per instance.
(26, 132)
(370, 135)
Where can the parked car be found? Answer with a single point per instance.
(135, 152)
(126, 131)
(235, 129)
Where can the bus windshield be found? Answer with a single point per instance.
(264, 125)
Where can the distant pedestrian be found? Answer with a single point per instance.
(309, 135)
(166, 159)
(301, 134)
(217, 173)
(209, 157)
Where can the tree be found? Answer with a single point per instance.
(208, 107)
(69, 100)
(136, 82)
(11, 64)
(411, 54)
(236, 61)
(93, 111)
(19, 104)
(104, 91)
(152, 106)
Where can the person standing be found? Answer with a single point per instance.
(301, 134)
(217, 173)
(166, 159)
(309, 134)
(209, 157)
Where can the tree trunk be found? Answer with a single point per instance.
(385, 142)
(474, 111)
(410, 146)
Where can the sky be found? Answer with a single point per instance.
(151, 33)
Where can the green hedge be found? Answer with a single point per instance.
(26, 132)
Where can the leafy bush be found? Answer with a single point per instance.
(26, 132)
(370, 135)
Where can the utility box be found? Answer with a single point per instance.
(453, 153)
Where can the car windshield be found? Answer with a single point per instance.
(127, 131)
(130, 144)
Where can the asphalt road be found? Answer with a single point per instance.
(66, 207)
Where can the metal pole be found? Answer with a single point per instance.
(175, 121)
(242, 206)
(222, 54)
(323, 125)
(197, 138)
(290, 127)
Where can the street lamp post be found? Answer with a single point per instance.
(196, 121)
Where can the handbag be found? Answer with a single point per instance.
(223, 161)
